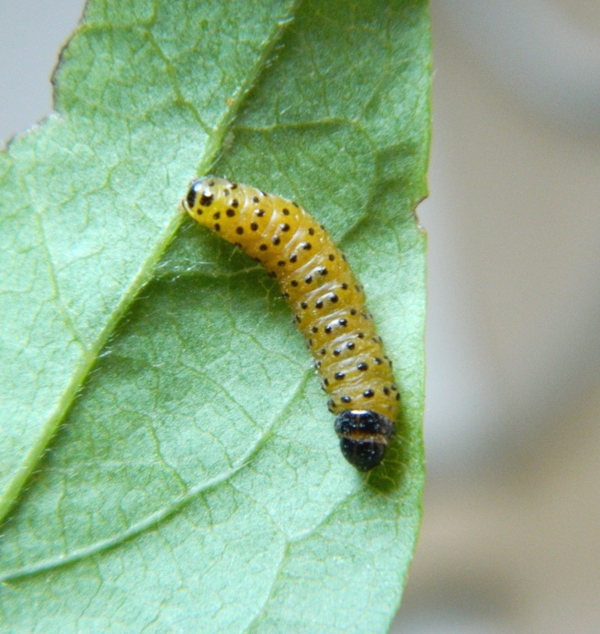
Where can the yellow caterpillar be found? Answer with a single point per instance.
(327, 301)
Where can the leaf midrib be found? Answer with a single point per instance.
(145, 274)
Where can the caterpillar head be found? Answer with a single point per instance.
(364, 437)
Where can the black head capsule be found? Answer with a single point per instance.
(364, 455)
(364, 437)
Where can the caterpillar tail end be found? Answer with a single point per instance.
(364, 437)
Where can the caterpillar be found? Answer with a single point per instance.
(327, 301)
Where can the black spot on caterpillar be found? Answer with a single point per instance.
(327, 301)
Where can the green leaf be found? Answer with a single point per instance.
(167, 461)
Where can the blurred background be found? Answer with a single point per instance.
(511, 533)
